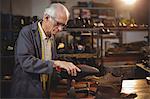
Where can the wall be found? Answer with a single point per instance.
(38, 7)
(21, 7)
(16, 7)
(5, 6)
(140, 11)
(134, 36)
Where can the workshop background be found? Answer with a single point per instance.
(110, 35)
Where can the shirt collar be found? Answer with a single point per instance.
(42, 32)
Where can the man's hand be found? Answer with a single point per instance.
(70, 67)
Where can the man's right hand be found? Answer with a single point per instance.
(70, 67)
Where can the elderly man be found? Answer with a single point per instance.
(35, 54)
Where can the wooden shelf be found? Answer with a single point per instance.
(80, 55)
(92, 8)
(143, 67)
(110, 28)
(123, 52)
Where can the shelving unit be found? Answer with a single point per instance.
(99, 35)
(109, 11)
(96, 33)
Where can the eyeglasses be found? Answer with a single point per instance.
(58, 23)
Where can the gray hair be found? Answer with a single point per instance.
(51, 10)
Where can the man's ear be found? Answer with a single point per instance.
(46, 17)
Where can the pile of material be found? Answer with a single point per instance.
(109, 87)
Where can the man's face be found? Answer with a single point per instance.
(53, 25)
(58, 24)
